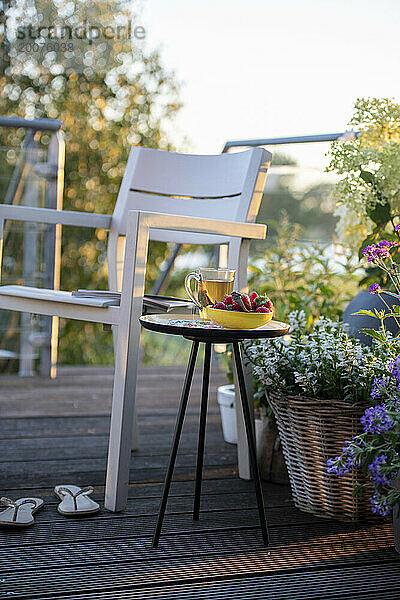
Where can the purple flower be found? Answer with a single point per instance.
(378, 387)
(381, 250)
(368, 249)
(395, 369)
(375, 288)
(379, 505)
(368, 253)
(382, 253)
(376, 420)
(349, 459)
(335, 468)
(375, 470)
(397, 228)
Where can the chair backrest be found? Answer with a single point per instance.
(224, 186)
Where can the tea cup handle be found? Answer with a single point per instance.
(189, 292)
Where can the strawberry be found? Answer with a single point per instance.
(236, 307)
(263, 309)
(262, 301)
(253, 296)
(269, 305)
(220, 306)
(246, 301)
(228, 300)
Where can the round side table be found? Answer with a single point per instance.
(200, 331)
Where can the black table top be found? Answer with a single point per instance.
(195, 328)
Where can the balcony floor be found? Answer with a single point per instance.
(55, 432)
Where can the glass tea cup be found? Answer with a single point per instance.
(211, 286)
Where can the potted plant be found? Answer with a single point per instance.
(375, 452)
(318, 385)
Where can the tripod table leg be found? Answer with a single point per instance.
(237, 351)
(175, 443)
(202, 431)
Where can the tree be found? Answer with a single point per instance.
(109, 97)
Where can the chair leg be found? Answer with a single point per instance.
(135, 426)
(123, 415)
(251, 441)
(202, 431)
(175, 442)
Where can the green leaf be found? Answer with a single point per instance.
(380, 214)
(374, 334)
(391, 236)
(357, 489)
(368, 313)
(326, 291)
(367, 177)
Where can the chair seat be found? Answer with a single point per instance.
(22, 291)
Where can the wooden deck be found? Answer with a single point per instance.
(54, 432)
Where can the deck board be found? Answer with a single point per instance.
(57, 430)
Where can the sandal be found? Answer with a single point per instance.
(19, 512)
(75, 501)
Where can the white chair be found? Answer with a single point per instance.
(163, 196)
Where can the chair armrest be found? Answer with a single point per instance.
(52, 216)
(251, 231)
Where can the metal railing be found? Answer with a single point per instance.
(34, 124)
(21, 191)
(298, 139)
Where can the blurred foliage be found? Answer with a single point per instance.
(315, 277)
(169, 350)
(108, 100)
(307, 276)
(311, 206)
(311, 209)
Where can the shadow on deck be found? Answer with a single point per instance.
(54, 432)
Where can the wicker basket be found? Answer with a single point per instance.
(312, 431)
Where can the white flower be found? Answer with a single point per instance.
(324, 362)
(297, 319)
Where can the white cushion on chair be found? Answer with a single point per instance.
(22, 291)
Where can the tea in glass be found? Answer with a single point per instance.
(212, 285)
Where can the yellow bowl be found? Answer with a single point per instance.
(238, 320)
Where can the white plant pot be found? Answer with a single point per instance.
(226, 401)
(269, 450)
